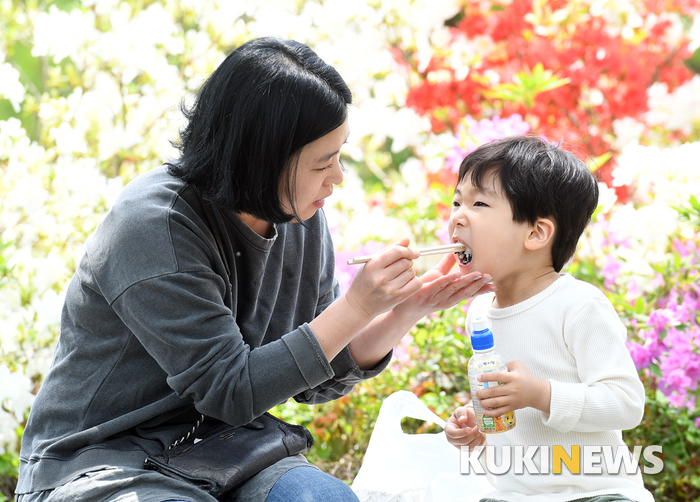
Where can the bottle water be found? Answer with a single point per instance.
(486, 360)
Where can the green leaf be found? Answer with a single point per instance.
(693, 62)
(528, 85)
(656, 371)
(29, 67)
(660, 396)
(694, 203)
(639, 305)
(6, 109)
(597, 162)
(67, 5)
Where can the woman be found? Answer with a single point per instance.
(208, 288)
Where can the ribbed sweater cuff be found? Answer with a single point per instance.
(566, 405)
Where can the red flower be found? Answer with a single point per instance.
(608, 75)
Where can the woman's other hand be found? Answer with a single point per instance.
(437, 289)
(442, 289)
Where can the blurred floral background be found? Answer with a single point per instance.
(89, 95)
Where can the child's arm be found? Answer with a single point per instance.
(520, 389)
(461, 429)
(609, 394)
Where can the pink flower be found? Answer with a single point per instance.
(686, 248)
(660, 318)
(344, 272)
(615, 240)
(675, 381)
(640, 355)
(472, 133)
(443, 234)
(611, 270)
(654, 344)
(403, 353)
(633, 291)
(677, 400)
(658, 281)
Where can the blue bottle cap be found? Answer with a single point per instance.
(482, 338)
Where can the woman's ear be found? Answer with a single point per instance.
(540, 235)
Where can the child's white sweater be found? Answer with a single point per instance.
(570, 335)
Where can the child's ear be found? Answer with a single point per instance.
(540, 235)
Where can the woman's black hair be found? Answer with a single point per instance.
(251, 118)
(540, 180)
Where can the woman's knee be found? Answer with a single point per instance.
(308, 484)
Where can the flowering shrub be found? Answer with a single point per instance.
(570, 68)
(88, 99)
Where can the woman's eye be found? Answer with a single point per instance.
(325, 168)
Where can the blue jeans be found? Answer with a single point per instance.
(307, 484)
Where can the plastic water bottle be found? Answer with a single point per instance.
(486, 360)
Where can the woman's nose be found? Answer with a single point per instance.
(336, 176)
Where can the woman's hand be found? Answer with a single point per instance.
(442, 289)
(385, 281)
(461, 429)
(520, 389)
(437, 289)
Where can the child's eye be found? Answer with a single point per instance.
(455, 203)
(480, 204)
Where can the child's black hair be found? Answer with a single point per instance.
(540, 180)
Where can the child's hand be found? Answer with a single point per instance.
(385, 281)
(442, 289)
(461, 429)
(520, 389)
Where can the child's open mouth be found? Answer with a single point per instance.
(464, 257)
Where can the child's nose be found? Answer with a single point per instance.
(458, 219)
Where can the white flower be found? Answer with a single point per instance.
(677, 110)
(606, 197)
(63, 34)
(694, 34)
(15, 400)
(102, 7)
(10, 86)
(627, 130)
(411, 186)
(67, 139)
(660, 175)
(48, 312)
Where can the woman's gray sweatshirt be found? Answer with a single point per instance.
(151, 326)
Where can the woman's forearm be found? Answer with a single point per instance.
(369, 339)
(380, 336)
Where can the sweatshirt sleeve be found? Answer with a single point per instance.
(610, 394)
(211, 364)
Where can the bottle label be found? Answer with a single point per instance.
(489, 425)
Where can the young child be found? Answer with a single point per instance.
(520, 206)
